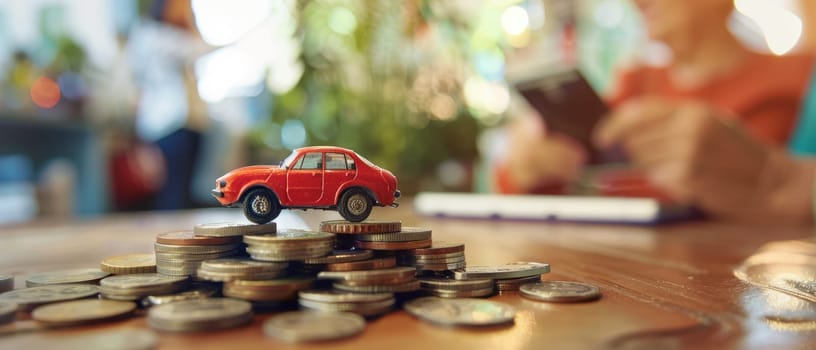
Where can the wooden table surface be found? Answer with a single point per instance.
(663, 287)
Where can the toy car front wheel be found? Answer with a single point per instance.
(261, 206)
(355, 205)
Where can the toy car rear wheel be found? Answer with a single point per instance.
(261, 206)
(355, 205)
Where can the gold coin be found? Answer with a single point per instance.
(345, 227)
(130, 264)
(393, 245)
(82, 311)
(187, 237)
(373, 264)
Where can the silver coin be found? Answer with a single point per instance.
(341, 256)
(560, 291)
(29, 297)
(405, 287)
(105, 339)
(336, 296)
(284, 237)
(406, 234)
(362, 309)
(460, 312)
(441, 267)
(223, 229)
(241, 265)
(305, 326)
(370, 275)
(511, 270)
(181, 258)
(74, 276)
(6, 283)
(7, 312)
(199, 293)
(441, 283)
(200, 314)
(140, 280)
(195, 249)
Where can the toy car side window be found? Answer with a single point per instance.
(350, 163)
(335, 161)
(310, 161)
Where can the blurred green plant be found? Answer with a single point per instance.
(385, 78)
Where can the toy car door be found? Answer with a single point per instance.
(304, 180)
(339, 170)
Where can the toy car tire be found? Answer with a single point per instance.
(261, 206)
(355, 205)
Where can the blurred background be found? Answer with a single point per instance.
(125, 105)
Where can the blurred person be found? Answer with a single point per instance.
(709, 69)
(170, 112)
(699, 155)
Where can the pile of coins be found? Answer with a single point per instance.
(288, 245)
(508, 277)
(363, 304)
(129, 264)
(450, 288)
(440, 256)
(351, 270)
(223, 270)
(180, 253)
(138, 286)
(276, 290)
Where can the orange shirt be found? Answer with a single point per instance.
(764, 95)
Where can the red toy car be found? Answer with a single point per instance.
(321, 177)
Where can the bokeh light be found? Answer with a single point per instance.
(293, 134)
(223, 22)
(781, 27)
(45, 92)
(515, 20)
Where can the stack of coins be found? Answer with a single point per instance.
(367, 305)
(288, 245)
(451, 288)
(267, 290)
(406, 238)
(439, 257)
(80, 276)
(338, 256)
(222, 270)
(393, 280)
(129, 264)
(200, 315)
(508, 277)
(137, 286)
(346, 231)
(180, 253)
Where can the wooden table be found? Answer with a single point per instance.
(663, 287)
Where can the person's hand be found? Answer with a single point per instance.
(537, 160)
(691, 150)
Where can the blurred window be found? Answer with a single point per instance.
(336, 161)
(311, 161)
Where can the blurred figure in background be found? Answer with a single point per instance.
(170, 112)
(715, 109)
